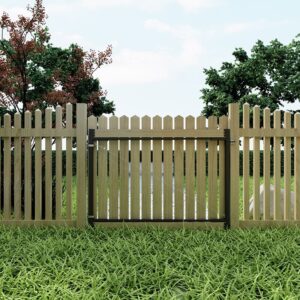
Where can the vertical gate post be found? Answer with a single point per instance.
(227, 178)
(91, 146)
(81, 132)
(234, 125)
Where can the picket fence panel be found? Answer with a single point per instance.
(149, 179)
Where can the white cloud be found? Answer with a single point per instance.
(148, 5)
(137, 67)
(142, 67)
(195, 5)
(240, 27)
(154, 5)
(189, 37)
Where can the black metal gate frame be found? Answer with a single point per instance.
(91, 145)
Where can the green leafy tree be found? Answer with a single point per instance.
(35, 74)
(268, 77)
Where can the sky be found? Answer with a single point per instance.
(160, 47)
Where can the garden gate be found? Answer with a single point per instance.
(158, 175)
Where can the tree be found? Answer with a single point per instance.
(268, 77)
(35, 74)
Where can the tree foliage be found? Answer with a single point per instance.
(35, 74)
(268, 77)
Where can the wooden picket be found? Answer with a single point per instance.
(266, 167)
(190, 171)
(246, 163)
(135, 171)
(178, 161)
(102, 172)
(58, 165)
(201, 172)
(157, 171)
(168, 170)
(17, 169)
(256, 164)
(287, 169)
(69, 162)
(212, 172)
(124, 166)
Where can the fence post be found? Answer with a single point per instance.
(81, 174)
(234, 125)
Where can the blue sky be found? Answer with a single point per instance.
(160, 47)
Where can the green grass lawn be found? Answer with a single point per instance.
(151, 263)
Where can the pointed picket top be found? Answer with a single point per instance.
(7, 120)
(135, 122)
(189, 122)
(58, 116)
(48, 117)
(37, 118)
(267, 117)
(28, 119)
(201, 121)
(17, 120)
(277, 118)
(102, 122)
(246, 114)
(157, 122)
(146, 122)
(297, 120)
(223, 122)
(124, 122)
(113, 122)
(256, 117)
(167, 122)
(287, 119)
(212, 121)
(69, 115)
(179, 117)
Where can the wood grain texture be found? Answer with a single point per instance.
(157, 171)
(27, 171)
(38, 168)
(190, 171)
(266, 210)
(168, 171)
(201, 172)
(124, 178)
(113, 172)
(17, 169)
(102, 172)
(179, 178)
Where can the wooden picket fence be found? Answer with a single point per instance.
(170, 178)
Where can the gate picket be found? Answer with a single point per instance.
(189, 171)
(201, 172)
(124, 212)
(168, 170)
(157, 171)
(178, 156)
(135, 171)
(113, 172)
